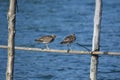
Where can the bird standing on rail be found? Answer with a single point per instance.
(69, 40)
(46, 39)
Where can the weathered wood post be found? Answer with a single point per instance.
(96, 39)
(11, 30)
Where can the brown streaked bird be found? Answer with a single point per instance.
(69, 40)
(46, 39)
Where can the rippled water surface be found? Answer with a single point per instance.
(61, 17)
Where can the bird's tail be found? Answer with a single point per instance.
(63, 42)
(37, 40)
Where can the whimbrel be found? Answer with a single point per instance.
(46, 39)
(69, 40)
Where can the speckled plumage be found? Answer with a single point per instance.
(69, 40)
(46, 39)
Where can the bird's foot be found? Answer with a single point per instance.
(68, 50)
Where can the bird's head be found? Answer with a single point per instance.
(73, 34)
(54, 36)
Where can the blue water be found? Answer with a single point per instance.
(61, 17)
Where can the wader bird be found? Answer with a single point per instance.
(46, 40)
(69, 40)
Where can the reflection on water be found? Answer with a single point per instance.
(43, 17)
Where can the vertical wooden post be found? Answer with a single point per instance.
(96, 39)
(11, 30)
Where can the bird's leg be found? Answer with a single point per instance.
(47, 46)
(68, 45)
